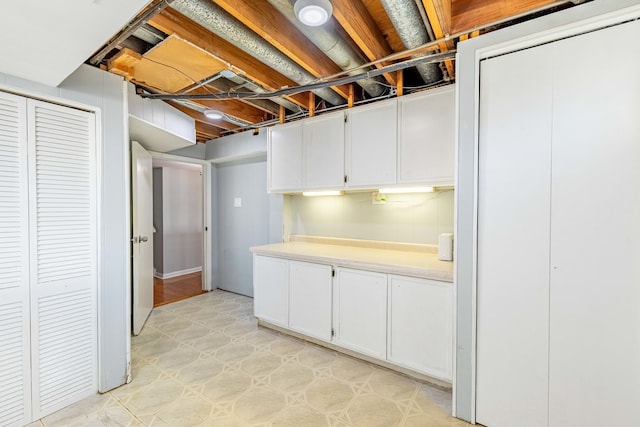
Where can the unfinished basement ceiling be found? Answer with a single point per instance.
(255, 62)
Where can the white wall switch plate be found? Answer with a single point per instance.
(237, 202)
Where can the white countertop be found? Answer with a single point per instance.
(408, 260)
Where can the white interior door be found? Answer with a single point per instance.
(15, 368)
(594, 367)
(142, 234)
(513, 239)
(63, 253)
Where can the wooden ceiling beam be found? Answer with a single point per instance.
(439, 14)
(200, 118)
(266, 21)
(170, 21)
(232, 107)
(206, 131)
(360, 26)
(470, 14)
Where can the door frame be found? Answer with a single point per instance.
(207, 284)
(576, 20)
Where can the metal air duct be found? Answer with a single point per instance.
(221, 23)
(407, 20)
(326, 38)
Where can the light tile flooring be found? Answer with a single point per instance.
(204, 362)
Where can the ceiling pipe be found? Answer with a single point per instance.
(431, 59)
(129, 30)
(326, 38)
(405, 17)
(221, 23)
(432, 45)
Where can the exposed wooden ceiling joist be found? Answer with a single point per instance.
(469, 14)
(173, 22)
(266, 21)
(232, 107)
(439, 14)
(360, 26)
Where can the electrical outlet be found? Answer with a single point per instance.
(378, 199)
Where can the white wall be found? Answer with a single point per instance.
(257, 221)
(411, 218)
(93, 87)
(182, 222)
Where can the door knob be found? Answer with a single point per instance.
(143, 238)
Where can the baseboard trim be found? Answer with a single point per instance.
(177, 273)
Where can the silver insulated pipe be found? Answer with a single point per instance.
(405, 17)
(326, 38)
(221, 23)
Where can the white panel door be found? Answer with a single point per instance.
(284, 157)
(595, 219)
(142, 235)
(421, 325)
(513, 239)
(310, 299)
(426, 137)
(271, 289)
(15, 369)
(371, 145)
(360, 310)
(62, 212)
(324, 151)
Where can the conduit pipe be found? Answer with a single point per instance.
(221, 23)
(326, 38)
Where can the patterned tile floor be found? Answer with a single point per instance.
(204, 362)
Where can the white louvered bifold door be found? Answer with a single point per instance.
(15, 393)
(62, 213)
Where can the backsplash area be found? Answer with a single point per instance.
(411, 218)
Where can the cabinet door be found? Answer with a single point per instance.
(284, 157)
(371, 153)
(426, 137)
(360, 303)
(310, 299)
(271, 289)
(324, 151)
(421, 325)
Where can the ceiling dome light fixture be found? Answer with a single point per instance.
(313, 12)
(213, 114)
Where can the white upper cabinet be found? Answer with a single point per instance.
(285, 157)
(371, 145)
(426, 137)
(323, 138)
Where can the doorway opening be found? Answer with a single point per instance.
(179, 231)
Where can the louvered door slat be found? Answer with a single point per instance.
(63, 244)
(15, 392)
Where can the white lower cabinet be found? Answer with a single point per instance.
(271, 289)
(421, 325)
(402, 320)
(310, 299)
(360, 311)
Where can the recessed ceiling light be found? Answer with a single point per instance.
(213, 114)
(313, 12)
